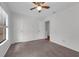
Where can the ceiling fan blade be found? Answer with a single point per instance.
(34, 3)
(45, 7)
(42, 2)
(38, 3)
(32, 8)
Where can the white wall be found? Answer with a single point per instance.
(25, 27)
(41, 30)
(64, 27)
(5, 45)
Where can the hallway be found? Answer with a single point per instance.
(39, 48)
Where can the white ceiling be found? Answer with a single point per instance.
(24, 8)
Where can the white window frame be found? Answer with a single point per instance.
(5, 15)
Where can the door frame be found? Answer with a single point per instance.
(46, 20)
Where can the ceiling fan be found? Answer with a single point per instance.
(39, 6)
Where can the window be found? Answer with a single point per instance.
(3, 25)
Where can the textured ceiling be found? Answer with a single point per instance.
(24, 8)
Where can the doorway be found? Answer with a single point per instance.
(47, 30)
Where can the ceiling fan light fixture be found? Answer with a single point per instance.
(39, 8)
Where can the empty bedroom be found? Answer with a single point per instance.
(39, 29)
